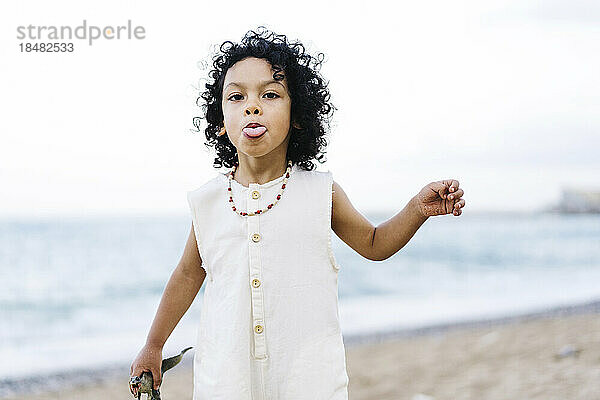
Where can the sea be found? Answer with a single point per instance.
(81, 293)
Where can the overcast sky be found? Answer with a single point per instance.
(502, 96)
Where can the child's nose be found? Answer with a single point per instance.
(253, 110)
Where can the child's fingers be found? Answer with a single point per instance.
(456, 195)
(441, 188)
(445, 187)
(458, 207)
(453, 185)
(156, 378)
(459, 204)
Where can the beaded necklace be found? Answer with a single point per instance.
(244, 214)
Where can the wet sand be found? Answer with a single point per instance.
(506, 359)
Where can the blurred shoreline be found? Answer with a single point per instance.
(99, 383)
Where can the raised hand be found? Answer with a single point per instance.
(440, 198)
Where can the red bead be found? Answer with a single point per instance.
(278, 197)
(287, 175)
(283, 187)
(233, 208)
(257, 211)
(229, 189)
(230, 200)
(270, 205)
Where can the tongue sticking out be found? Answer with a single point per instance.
(259, 130)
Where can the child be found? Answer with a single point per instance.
(261, 234)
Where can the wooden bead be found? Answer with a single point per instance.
(231, 173)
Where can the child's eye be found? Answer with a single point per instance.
(232, 97)
(237, 94)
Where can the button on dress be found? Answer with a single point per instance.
(269, 325)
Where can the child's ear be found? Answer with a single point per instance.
(222, 131)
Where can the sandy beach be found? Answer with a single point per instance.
(503, 359)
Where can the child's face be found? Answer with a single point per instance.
(250, 95)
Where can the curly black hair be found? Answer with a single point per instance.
(310, 106)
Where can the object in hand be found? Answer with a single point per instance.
(145, 382)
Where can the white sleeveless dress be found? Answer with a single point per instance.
(269, 326)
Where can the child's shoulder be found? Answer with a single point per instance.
(317, 177)
(210, 184)
(320, 173)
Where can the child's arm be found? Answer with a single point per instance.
(182, 288)
(381, 242)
